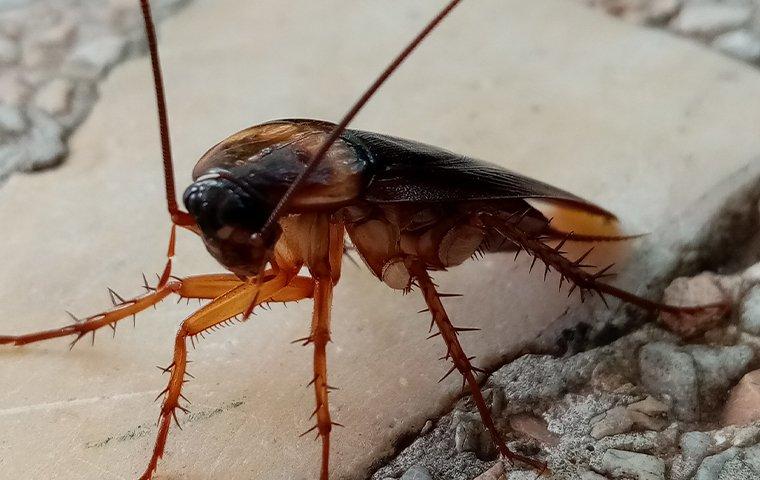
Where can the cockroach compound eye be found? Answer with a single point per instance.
(275, 202)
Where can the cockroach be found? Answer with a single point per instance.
(279, 198)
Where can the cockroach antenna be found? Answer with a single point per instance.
(178, 217)
(355, 109)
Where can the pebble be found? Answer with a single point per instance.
(666, 370)
(701, 289)
(660, 11)
(9, 51)
(752, 274)
(417, 472)
(623, 464)
(494, 473)
(711, 466)
(39, 41)
(737, 469)
(749, 311)
(718, 368)
(743, 405)
(694, 448)
(92, 59)
(707, 19)
(640, 11)
(650, 406)
(12, 121)
(13, 89)
(43, 146)
(54, 98)
(58, 36)
(470, 435)
(742, 44)
(533, 427)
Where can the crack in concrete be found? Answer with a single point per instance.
(50, 406)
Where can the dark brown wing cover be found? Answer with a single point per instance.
(408, 171)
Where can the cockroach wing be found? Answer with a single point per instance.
(407, 172)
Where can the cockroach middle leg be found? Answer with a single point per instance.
(320, 337)
(461, 361)
(280, 288)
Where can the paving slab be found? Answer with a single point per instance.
(654, 128)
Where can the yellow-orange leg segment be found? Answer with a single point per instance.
(320, 336)
(201, 286)
(279, 288)
(462, 362)
(197, 286)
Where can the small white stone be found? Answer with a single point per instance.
(742, 44)
(666, 369)
(9, 51)
(749, 312)
(61, 34)
(11, 119)
(706, 20)
(96, 56)
(35, 56)
(417, 472)
(752, 274)
(712, 465)
(13, 89)
(661, 10)
(624, 464)
(55, 97)
(43, 146)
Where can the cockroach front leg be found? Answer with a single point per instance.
(280, 288)
(461, 361)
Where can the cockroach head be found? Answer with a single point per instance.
(231, 218)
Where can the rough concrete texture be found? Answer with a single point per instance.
(53, 54)
(614, 412)
(656, 129)
(731, 27)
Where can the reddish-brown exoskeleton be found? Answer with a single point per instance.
(279, 197)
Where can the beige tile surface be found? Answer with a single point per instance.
(640, 122)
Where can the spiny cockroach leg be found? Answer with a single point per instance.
(462, 362)
(586, 282)
(198, 286)
(320, 336)
(82, 327)
(227, 305)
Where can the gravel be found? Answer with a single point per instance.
(53, 54)
(730, 26)
(648, 406)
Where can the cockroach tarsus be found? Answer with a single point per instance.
(282, 196)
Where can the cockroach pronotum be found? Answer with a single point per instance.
(278, 199)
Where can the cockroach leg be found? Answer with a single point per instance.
(220, 310)
(198, 286)
(92, 323)
(587, 281)
(320, 336)
(462, 362)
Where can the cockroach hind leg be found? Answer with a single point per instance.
(576, 274)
